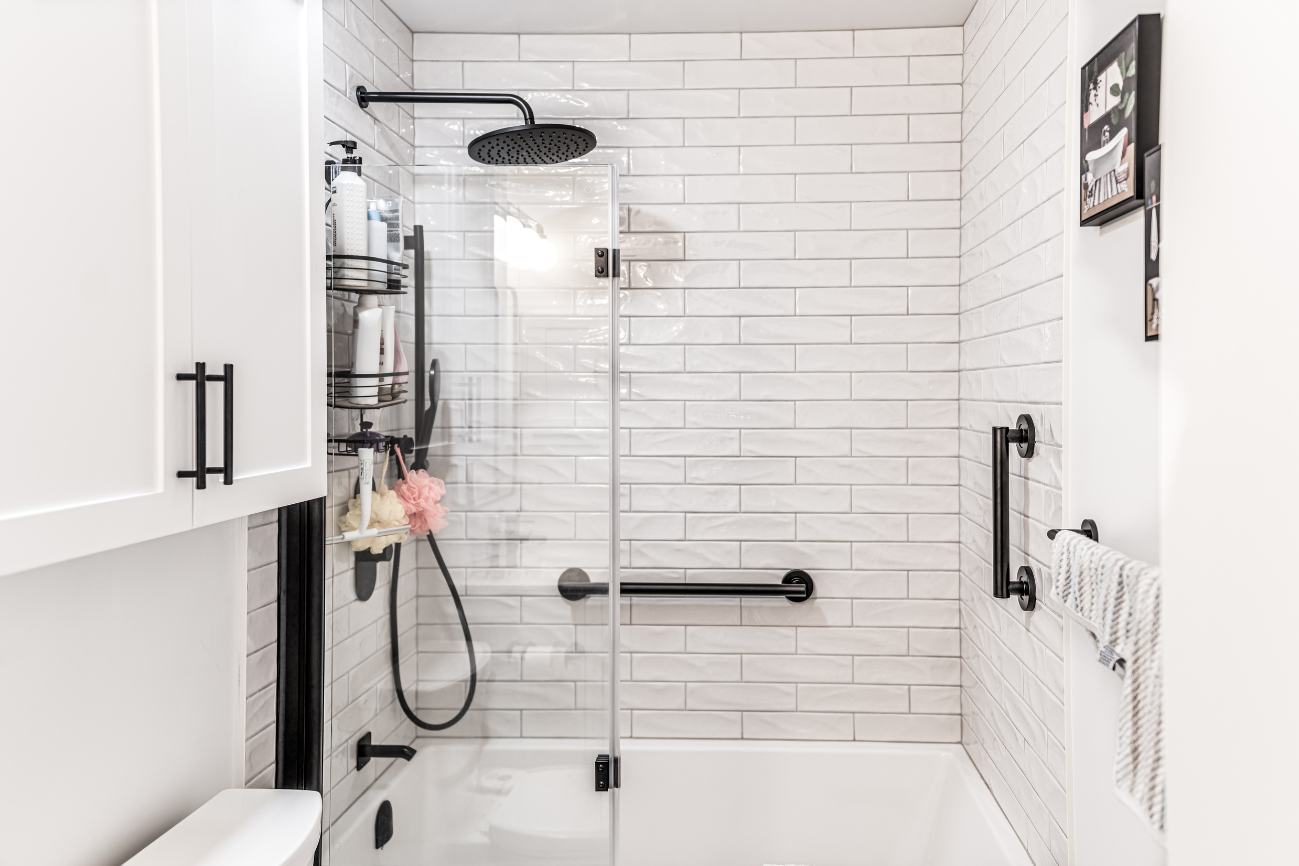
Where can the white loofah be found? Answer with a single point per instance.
(386, 512)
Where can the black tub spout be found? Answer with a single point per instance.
(365, 750)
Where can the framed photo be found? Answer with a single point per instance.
(1154, 195)
(1120, 121)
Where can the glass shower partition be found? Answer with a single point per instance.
(519, 420)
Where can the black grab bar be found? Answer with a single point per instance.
(1024, 436)
(797, 586)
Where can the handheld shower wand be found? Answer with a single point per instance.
(428, 416)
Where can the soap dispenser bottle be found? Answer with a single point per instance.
(350, 210)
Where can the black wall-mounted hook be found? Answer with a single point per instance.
(1088, 528)
(1024, 436)
(365, 573)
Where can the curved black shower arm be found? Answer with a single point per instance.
(427, 97)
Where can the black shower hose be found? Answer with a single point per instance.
(396, 652)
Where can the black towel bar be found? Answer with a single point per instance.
(1088, 529)
(797, 586)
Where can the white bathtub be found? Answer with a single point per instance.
(683, 803)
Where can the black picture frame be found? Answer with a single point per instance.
(1154, 237)
(1118, 121)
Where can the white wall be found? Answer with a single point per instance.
(1012, 192)
(790, 222)
(1112, 390)
(123, 688)
(1229, 415)
(1112, 443)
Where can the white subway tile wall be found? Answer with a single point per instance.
(366, 43)
(262, 667)
(1012, 182)
(791, 223)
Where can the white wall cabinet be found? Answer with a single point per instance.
(164, 202)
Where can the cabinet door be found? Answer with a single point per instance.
(259, 245)
(94, 237)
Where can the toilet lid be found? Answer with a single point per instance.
(553, 813)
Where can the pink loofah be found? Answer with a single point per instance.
(421, 496)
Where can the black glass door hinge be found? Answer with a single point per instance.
(607, 262)
(608, 772)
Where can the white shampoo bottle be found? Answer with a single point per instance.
(365, 355)
(351, 236)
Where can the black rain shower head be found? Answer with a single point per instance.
(531, 143)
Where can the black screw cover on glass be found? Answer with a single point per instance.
(531, 143)
(1024, 436)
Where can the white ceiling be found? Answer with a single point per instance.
(673, 16)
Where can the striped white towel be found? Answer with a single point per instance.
(1120, 598)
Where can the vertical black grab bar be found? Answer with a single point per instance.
(1024, 437)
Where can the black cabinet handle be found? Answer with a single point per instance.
(227, 469)
(1024, 436)
(199, 378)
(201, 470)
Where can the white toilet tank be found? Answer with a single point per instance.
(242, 827)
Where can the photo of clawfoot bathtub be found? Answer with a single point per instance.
(1119, 121)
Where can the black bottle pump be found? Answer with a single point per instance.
(351, 162)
